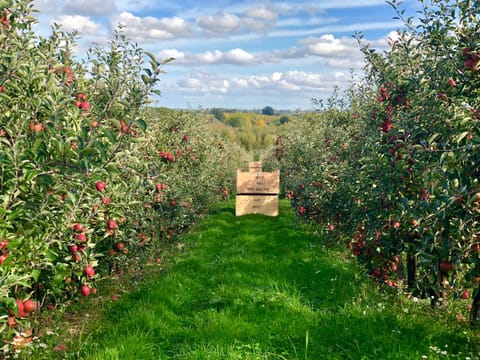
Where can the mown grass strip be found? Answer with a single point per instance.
(256, 287)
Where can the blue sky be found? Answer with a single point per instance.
(237, 54)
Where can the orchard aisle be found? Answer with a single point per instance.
(258, 287)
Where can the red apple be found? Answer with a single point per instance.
(85, 290)
(120, 246)
(78, 227)
(81, 96)
(89, 271)
(73, 249)
(29, 306)
(21, 309)
(466, 52)
(81, 237)
(475, 247)
(100, 185)
(465, 294)
(468, 64)
(446, 266)
(36, 127)
(111, 224)
(85, 105)
(442, 96)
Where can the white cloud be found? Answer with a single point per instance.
(341, 53)
(239, 56)
(261, 12)
(235, 56)
(290, 81)
(259, 18)
(204, 83)
(338, 51)
(82, 24)
(171, 53)
(89, 7)
(325, 45)
(220, 23)
(150, 28)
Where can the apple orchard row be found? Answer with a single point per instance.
(93, 180)
(391, 167)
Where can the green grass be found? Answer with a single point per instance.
(256, 287)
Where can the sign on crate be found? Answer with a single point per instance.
(257, 191)
(258, 182)
(256, 204)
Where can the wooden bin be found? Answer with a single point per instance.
(256, 204)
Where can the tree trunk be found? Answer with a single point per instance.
(411, 270)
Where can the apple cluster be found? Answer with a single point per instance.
(471, 60)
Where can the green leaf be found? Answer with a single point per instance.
(150, 55)
(36, 274)
(166, 61)
(141, 124)
(146, 80)
(148, 71)
(433, 138)
(461, 136)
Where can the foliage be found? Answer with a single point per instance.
(92, 179)
(268, 110)
(393, 164)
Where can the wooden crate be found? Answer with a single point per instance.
(258, 182)
(256, 204)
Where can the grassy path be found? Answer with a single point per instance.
(255, 287)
